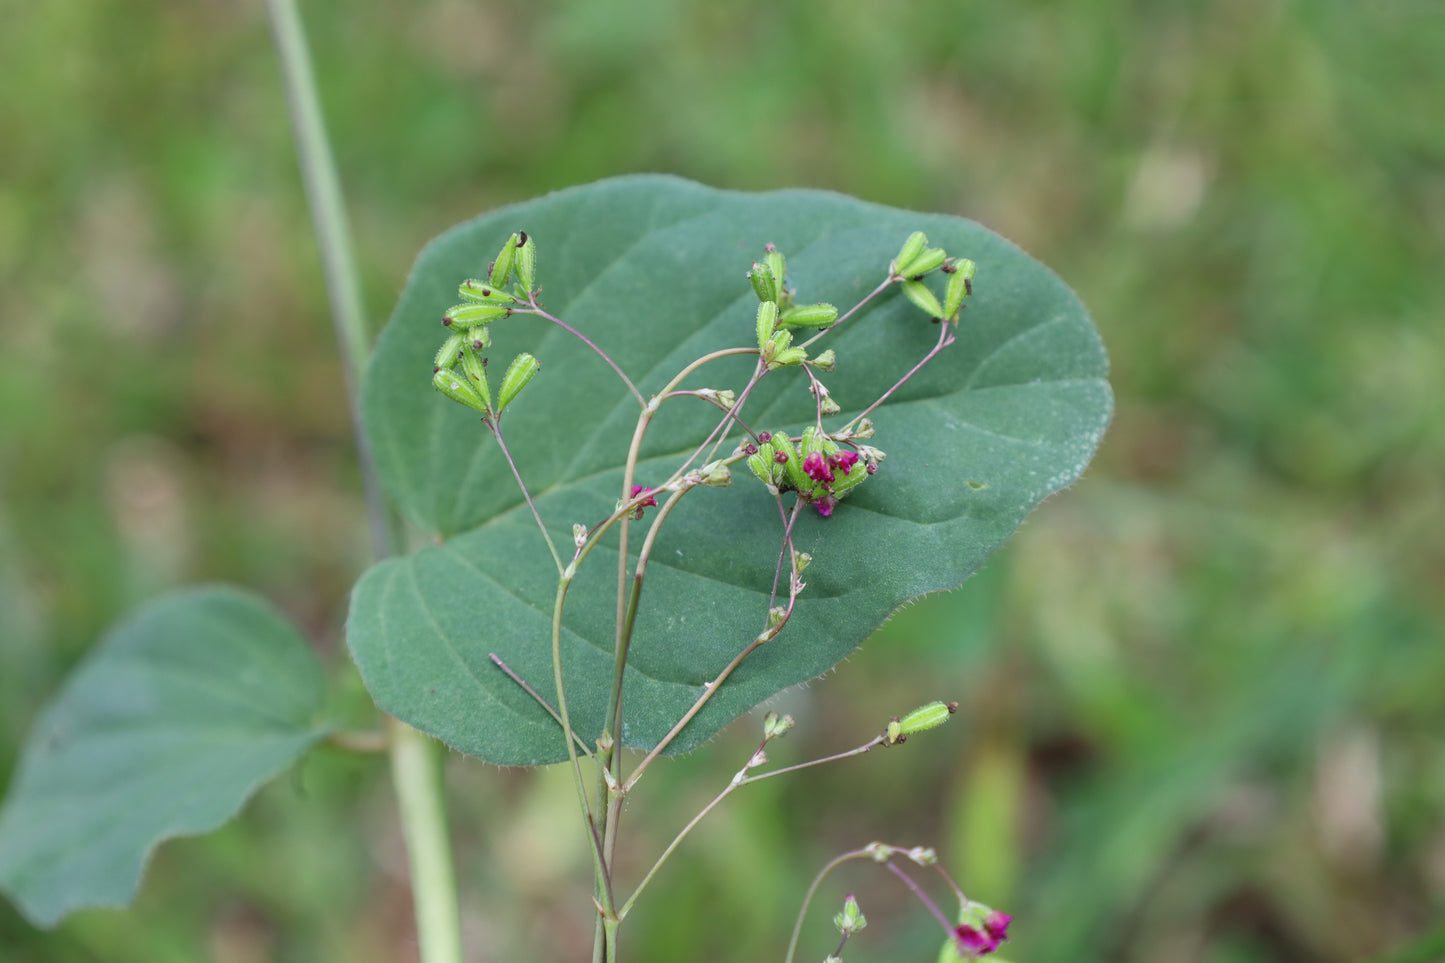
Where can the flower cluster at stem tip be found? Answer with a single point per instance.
(816, 464)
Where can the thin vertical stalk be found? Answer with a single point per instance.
(416, 767)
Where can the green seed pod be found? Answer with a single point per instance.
(519, 372)
(474, 290)
(792, 468)
(809, 316)
(764, 284)
(827, 361)
(923, 296)
(763, 466)
(455, 386)
(480, 337)
(930, 260)
(527, 262)
(449, 352)
(911, 248)
(776, 342)
(476, 371)
(767, 323)
(502, 266)
(778, 267)
(843, 484)
(928, 716)
(813, 442)
(462, 316)
(960, 286)
(788, 356)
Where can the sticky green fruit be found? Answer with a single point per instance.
(455, 386)
(502, 266)
(764, 284)
(923, 296)
(809, 316)
(527, 262)
(911, 248)
(519, 372)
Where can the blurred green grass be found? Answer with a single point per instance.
(1202, 716)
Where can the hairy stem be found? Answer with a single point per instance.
(496, 427)
(812, 889)
(945, 338)
(922, 897)
(414, 763)
(542, 312)
(417, 777)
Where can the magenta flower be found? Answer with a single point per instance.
(643, 490)
(843, 461)
(817, 469)
(975, 942)
(997, 926)
(825, 505)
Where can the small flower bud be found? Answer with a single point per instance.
(880, 852)
(777, 615)
(864, 428)
(455, 386)
(449, 353)
(851, 920)
(960, 285)
(579, 534)
(463, 316)
(830, 407)
(760, 758)
(911, 248)
(930, 260)
(726, 397)
(605, 743)
(775, 725)
(827, 361)
(928, 716)
(809, 316)
(502, 266)
(923, 855)
(716, 474)
(526, 262)
(476, 371)
(872, 454)
(764, 284)
(482, 291)
(801, 560)
(893, 734)
(767, 323)
(923, 296)
(519, 372)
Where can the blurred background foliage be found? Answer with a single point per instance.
(1202, 690)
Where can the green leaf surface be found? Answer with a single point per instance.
(175, 718)
(653, 269)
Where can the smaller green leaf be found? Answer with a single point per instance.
(165, 730)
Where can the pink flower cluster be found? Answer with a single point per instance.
(980, 941)
(825, 470)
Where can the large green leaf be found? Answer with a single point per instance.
(653, 270)
(165, 730)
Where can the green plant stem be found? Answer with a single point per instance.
(417, 777)
(812, 889)
(415, 764)
(496, 426)
(333, 238)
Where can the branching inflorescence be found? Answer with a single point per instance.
(820, 467)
